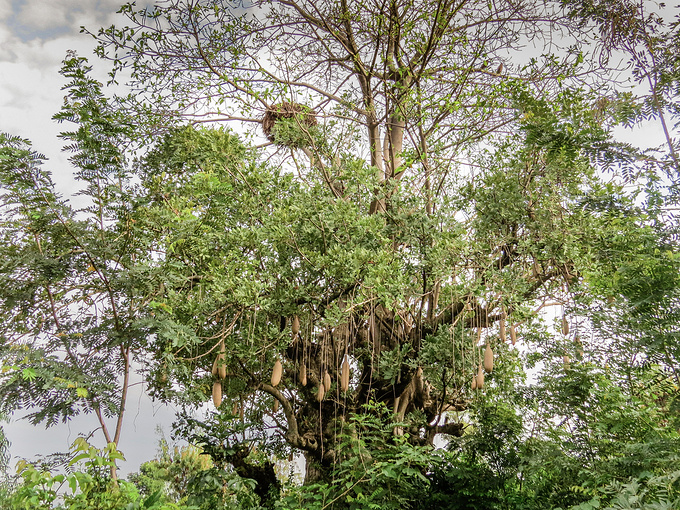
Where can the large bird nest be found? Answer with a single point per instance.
(289, 124)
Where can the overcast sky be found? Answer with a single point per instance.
(34, 38)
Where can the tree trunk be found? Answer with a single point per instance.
(267, 486)
(313, 471)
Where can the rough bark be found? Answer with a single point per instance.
(267, 486)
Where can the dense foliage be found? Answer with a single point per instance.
(440, 242)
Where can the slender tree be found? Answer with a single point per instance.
(70, 323)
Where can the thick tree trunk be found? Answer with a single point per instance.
(267, 486)
(313, 471)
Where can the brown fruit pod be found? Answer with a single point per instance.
(474, 382)
(164, 373)
(565, 326)
(213, 372)
(295, 327)
(217, 393)
(513, 334)
(234, 409)
(344, 378)
(303, 375)
(221, 366)
(488, 358)
(326, 381)
(320, 393)
(277, 372)
(501, 328)
(480, 378)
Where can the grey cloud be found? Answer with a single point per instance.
(33, 19)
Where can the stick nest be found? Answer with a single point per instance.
(304, 116)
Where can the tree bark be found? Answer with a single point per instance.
(267, 486)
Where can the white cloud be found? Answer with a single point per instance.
(7, 40)
(5, 9)
(17, 79)
(41, 16)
